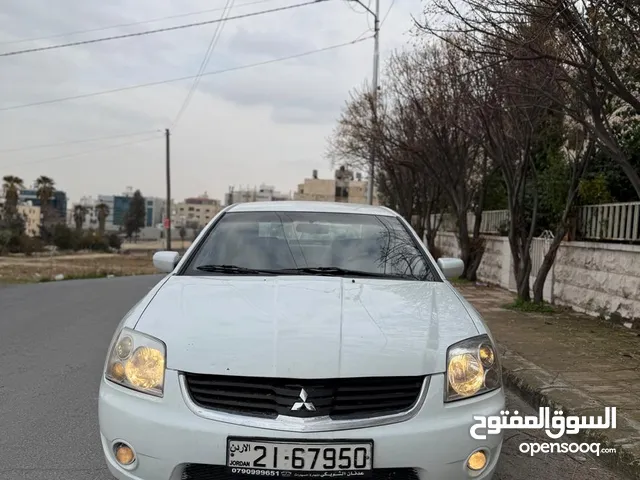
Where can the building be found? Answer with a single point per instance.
(119, 205)
(31, 215)
(265, 193)
(58, 201)
(195, 212)
(90, 218)
(156, 211)
(344, 187)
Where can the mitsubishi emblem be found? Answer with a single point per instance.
(308, 405)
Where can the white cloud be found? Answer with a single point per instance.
(264, 124)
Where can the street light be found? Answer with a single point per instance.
(376, 70)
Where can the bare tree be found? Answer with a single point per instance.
(427, 87)
(514, 122)
(578, 150)
(400, 181)
(595, 43)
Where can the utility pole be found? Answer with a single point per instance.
(376, 68)
(168, 153)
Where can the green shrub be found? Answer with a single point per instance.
(114, 241)
(93, 241)
(29, 245)
(64, 238)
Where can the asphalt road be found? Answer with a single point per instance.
(53, 341)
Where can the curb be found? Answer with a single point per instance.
(541, 388)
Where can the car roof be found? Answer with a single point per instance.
(321, 207)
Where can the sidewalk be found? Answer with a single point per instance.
(572, 362)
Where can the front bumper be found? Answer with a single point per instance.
(167, 436)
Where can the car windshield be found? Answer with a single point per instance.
(338, 244)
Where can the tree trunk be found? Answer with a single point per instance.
(420, 227)
(464, 242)
(475, 258)
(477, 248)
(521, 258)
(545, 268)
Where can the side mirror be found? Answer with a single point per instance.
(451, 267)
(166, 261)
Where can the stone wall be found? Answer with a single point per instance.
(599, 278)
(595, 278)
(491, 268)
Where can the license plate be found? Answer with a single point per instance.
(291, 459)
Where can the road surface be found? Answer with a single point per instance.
(53, 341)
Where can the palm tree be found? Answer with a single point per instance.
(45, 189)
(102, 211)
(11, 186)
(79, 216)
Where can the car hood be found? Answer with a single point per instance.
(306, 326)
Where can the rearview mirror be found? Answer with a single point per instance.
(312, 228)
(166, 261)
(451, 267)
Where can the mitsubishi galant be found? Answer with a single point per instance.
(301, 339)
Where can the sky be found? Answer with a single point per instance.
(263, 124)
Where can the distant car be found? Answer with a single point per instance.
(263, 355)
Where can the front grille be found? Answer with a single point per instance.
(200, 471)
(340, 399)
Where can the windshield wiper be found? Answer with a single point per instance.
(334, 271)
(328, 271)
(234, 270)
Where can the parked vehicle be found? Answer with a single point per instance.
(274, 348)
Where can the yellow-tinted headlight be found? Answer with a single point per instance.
(117, 371)
(465, 374)
(137, 361)
(473, 368)
(145, 368)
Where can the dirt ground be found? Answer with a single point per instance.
(38, 269)
(155, 245)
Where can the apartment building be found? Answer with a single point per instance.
(264, 193)
(58, 201)
(195, 212)
(90, 218)
(345, 187)
(31, 215)
(118, 207)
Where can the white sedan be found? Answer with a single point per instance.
(278, 346)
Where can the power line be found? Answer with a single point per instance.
(63, 157)
(157, 30)
(205, 62)
(388, 12)
(363, 34)
(74, 142)
(131, 24)
(173, 80)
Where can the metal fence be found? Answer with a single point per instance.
(610, 222)
(492, 221)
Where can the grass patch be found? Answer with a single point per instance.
(460, 281)
(520, 305)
